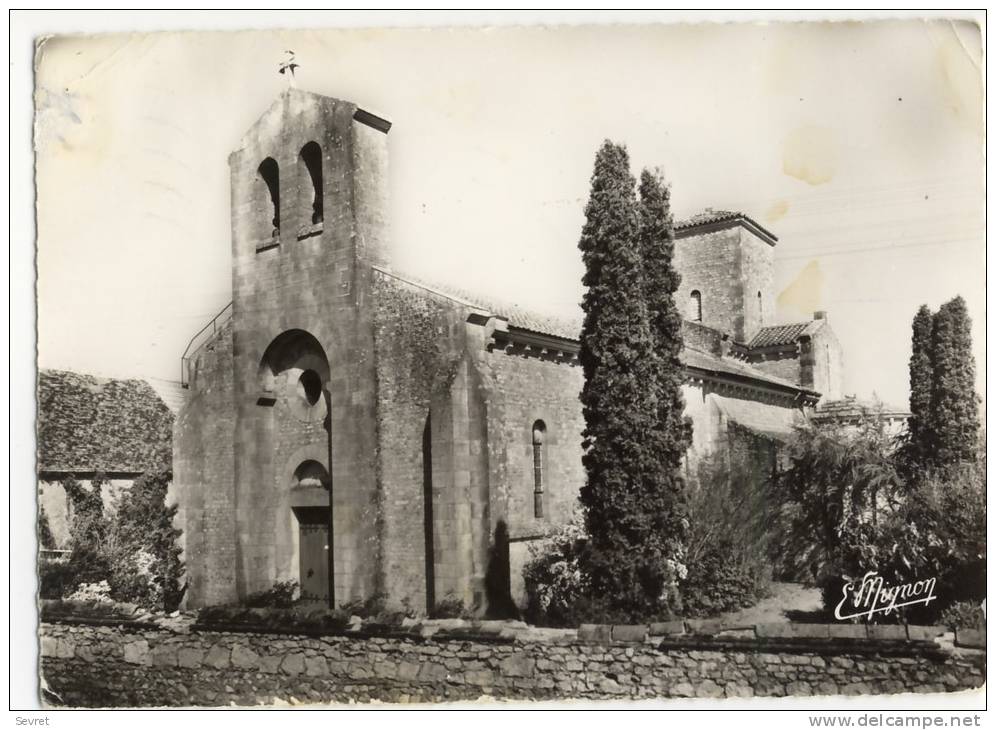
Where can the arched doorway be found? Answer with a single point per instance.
(314, 522)
(293, 377)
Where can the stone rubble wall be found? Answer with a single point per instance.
(145, 665)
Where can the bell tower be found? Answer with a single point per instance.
(309, 218)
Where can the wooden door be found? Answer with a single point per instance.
(315, 552)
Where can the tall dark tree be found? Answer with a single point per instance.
(954, 405)
(627, 562)
(660, 282)
(921, 386)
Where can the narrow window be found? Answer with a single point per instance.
(695, 306)
(539, 436)
(311, 155)
(760, 308)
(270, 174)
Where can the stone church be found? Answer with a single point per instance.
(363, 433)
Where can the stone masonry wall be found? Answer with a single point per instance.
(101, 666)
(204, 473)
(710, 264)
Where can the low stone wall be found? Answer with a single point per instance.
(141, 665)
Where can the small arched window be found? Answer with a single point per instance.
(539, 437)
(269, 173)
(760, 307)
(311, 157)
(695, 306)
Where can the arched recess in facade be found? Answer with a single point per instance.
(294, 373)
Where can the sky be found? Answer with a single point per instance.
(860, 145)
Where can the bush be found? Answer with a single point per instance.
(143, 551)
(54, 578)
(283, 594)
(851, 505)
(963, 615)
(91, 593)
(306, 618)
(556, 586)
(45, 537)
(728, 566)
(450, 607)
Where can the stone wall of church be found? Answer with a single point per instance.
(783, 363)
(303, 280)
(828, 364)
(204, 473)
(757, 274)
(527, 390)
(418, 351)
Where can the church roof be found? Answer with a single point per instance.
(783, 334)
(569, 329)
(695, 358)
(88, 424)
(851, 408)
(722, 219)
(761, 419)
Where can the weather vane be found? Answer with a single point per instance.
(288, 65)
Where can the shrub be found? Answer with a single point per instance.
(450, 607)
(143, 549)
(45, 537)
(283, 594)
(91, 593)
(728, 565)
(557, 588)
(307, 618)
(54, 579)
(851, 504)
(963, 615)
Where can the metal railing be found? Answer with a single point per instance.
(199, 340)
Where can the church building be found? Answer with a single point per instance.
(367, 434)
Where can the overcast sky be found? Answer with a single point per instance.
(859, 144)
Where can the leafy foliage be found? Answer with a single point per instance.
(135, 550)
(305, 618)
(631, 500)
(45, 537)
(963, 615)
(843, 490)
(145, 554)
(88, 528)
(557, 588)
(728, 542)
(954, 405)
(283, 594)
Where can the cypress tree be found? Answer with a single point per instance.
(921, 386)
(954, 405)
(625, 560)
(661, 280)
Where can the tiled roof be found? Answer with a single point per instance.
(710, 216)
(783, 334)
(850, 408)
(760, 418)
(707, 361)
(90, 424)
(570, 329)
